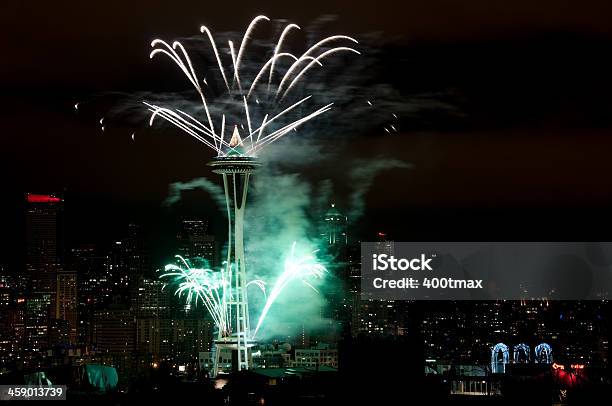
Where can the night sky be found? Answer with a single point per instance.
(528, 158)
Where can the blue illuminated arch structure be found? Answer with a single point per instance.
(543, 354)
(521, 353)
(498, 366)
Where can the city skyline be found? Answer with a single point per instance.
(366, 134)
(92, 265)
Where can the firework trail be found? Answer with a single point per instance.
(272, 104)
(302, 269)
(213, 288)
(206, 286)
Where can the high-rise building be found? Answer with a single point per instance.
(114, 330)
(381, 317)
(11, 319)
(43, 259)
(150, 300)
(58, 334)
(11, 334)
(37, 321)
(335, 253)
(189, 337)
(114, 337)
(195, 244)
(128, 260)
(335, 227)
(66, 304)
(6, 288)
(153, 337)
(353, 302)
(93, 287)
(194, 227)
(93, 273)
(151, 307)
(135, 250)
(43, 217)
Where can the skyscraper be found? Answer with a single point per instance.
(43, 216)
(11, 319)
(93, 287)
(334, 230)
(114, 336)
(128, 261)
(150, 300)
(66, 305)
(151, 307)
(195, 243)
(43, 258)
(381, 317)
(339, 259)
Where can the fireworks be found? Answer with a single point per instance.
(213, 288)
(301, 269)
(206, 286)
(265, 112)
(271, 105)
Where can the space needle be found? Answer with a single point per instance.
(236, 168)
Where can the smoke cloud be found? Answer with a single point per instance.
(176, 189)
(277, 216)
(362, 177)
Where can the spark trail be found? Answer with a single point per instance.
(272, 98)
(213, 288)
(300, 269)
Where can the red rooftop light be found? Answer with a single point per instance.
(32, 198)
